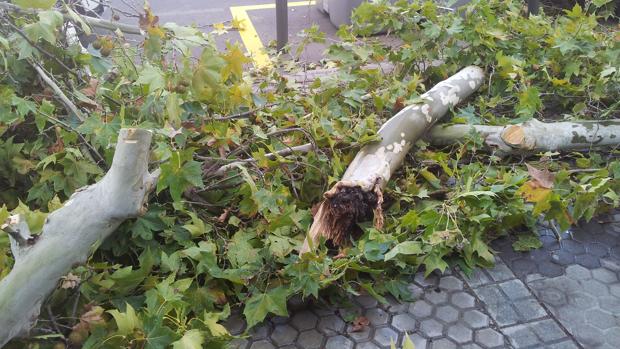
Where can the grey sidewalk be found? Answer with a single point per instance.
(564, 295)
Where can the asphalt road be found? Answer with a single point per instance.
(204, 13)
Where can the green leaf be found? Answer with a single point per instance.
(261, 304)
(153, 77)
(600, 3)
(406, 248)
(192, 339)
(39, 4)
(126, 322)
(179, 174)
(527, 242)
(434, 261)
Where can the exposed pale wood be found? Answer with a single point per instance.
(71, 233)
(374, 164)
(534, 136)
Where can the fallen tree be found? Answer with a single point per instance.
(533, 136)
(358, 195)
(71, 233)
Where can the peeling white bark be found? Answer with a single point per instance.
(71, 233)
(374, 164)
(534, 136)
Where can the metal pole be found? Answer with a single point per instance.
(532, 7)
(282, 23)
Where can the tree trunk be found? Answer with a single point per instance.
(358, 196)
(533, 136)
(71, 233)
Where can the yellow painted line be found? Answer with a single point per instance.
(249, 35)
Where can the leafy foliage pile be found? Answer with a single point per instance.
(213, 242)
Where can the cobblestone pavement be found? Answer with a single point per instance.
(565, 295)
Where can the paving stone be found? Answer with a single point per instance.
(548, 331)
(553, 296)
(572, 246)
(611, 304)
(394, 306)
(596, 288)
(450, 283)
(367, 345)
(360, 335)
(497, 305)
(418, 341)
(597, 249)
(367, 301)
(524, 266)
(522, 336)
(323, 311)
(310, 339)
(604, 275)
(610, 265)
(477, 278)
(421, 309)
(460, 333)
(262, 344)
(476, 319)
(384, 335)
(514, 289)
(404, 322)
(260, 331)
(529, 309)
(567, 344)
(578, 272)
(562, 257)
(304, 320)
(238, 343)
(431, 280)
(339, 342)
(612, 336)
(377, 316)
(331, 325)
(277, 320)
(415, 290)
(471, 346)
(283, 334)
(500, 272)
(235, 324)
(443, 343)
(463, 300)
(614, 290)
(588, 261)
(447, 313)
(489, 338)
(581, 300)
(437, 297)
(431, 328)
(600, 319)
(550, 269)
(589, 336)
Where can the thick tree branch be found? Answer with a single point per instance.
(358, 196)
(534, 136)
(71, 232)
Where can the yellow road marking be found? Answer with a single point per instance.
(249, 35)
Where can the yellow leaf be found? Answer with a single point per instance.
(219, 28)
(235, 59)
(531, 192)
(238, 24)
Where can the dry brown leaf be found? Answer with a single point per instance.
(70, 281)
(359, 324)
(91, 90)
(541, 178)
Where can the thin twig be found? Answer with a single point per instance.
(64, 99)
(305, 148)
(92, 21)
(39, 48)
